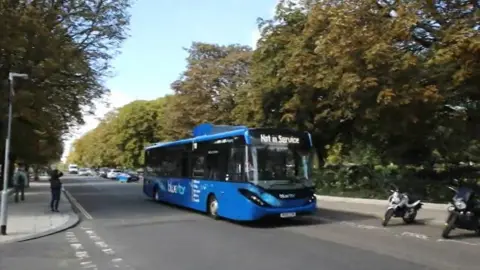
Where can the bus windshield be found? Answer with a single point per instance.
(279, 166)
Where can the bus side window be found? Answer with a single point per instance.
(156, 162)
(198, 167)
(148, 163)
(216, 165)
(235, 164)
(185, 165)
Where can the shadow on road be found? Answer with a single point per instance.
(462, 235)
(322, 216)
(280, 223)
(397, 222)
(337, 215)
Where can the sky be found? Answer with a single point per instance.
(153, 56)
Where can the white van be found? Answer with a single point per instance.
(72, 169)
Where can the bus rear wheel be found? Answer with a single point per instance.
(212, 207)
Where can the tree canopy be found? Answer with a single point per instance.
(375, 82)
(65, 47)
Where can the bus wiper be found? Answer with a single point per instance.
(282, 184)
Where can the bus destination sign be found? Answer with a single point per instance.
(279, 139)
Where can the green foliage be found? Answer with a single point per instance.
(65, 47)
(387, 90)
(208, 91)
(376, 181)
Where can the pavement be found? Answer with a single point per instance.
(122, 229)
(32, 218)
(9, 193)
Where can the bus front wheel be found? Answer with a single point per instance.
(212, 206)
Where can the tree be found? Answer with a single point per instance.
(135, 125)
(65, 47)
(120, 138)
(208, 90)
(269, 98)
(356, 69)
(95, 148)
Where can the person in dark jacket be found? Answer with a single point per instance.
(56, 188)
(19, 182)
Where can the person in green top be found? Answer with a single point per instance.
(19, 182)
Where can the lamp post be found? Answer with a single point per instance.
(3, 209)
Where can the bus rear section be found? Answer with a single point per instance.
(239, 173)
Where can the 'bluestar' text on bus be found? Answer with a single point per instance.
(278, 139)
(176, 189)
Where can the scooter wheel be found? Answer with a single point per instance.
(387, 217)
(410, 219)
(449, 226)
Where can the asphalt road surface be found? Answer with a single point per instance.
(122, 229)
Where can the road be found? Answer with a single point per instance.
(121, 229)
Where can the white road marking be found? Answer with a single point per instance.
(101, 244)
(76, 246)
(415, 235)
(78, 205)
(71, 238)
(80, 252)
(87, 266)
(362, 226)
(108, 251)
(403, 234)
(116, 261)
(95, 237)
(82, 255)
(458, 242)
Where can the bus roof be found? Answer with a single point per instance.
(202, 138)
(209, 132)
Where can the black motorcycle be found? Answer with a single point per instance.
(463, 211)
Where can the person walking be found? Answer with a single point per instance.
(56, 188)
(19, 182)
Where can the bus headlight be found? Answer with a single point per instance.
(253, 197)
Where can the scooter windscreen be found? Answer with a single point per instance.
(464, 194)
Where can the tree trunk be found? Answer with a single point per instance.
(27, 171)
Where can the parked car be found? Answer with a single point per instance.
(82, 172)
(72, 169)
(112, 174)
(131, 176)
(103, 172)
(85, 172)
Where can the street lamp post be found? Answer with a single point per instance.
(3, 209)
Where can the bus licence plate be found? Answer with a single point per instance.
(288, 215)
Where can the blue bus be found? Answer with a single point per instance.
(234, 172)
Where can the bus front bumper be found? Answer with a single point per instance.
(283, 212)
